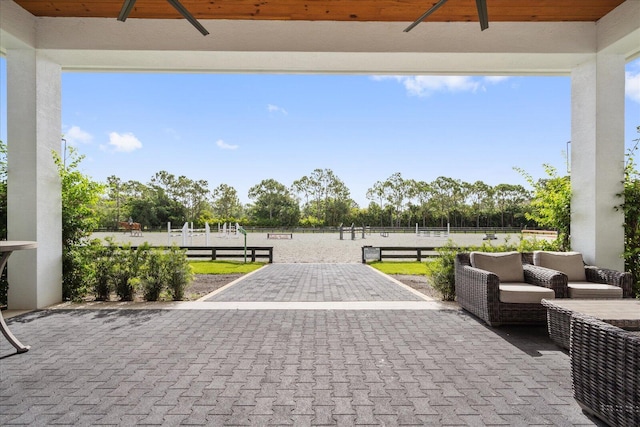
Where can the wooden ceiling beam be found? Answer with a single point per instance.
(332, 10)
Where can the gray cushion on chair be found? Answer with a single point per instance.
(590, 290)
(569, 263)
(523, 293)
(506, 265)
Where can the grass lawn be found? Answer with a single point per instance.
(224, 267)
(414, 268)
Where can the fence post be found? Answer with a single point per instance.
(244, 233)
(185, 231)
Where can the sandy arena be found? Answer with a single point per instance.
(309, 247)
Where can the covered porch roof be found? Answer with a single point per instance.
(587, 40)
(547, 38)
(330, 10)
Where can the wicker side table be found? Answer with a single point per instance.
(623, 313)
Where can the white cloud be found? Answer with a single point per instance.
(224, 146)
(428, 85)
(172, 133)
(632, 86)
(75, 136)
(275, 109)
(495, 79)
(125, 142)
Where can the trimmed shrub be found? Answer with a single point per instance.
(101, 266)
(442, 271)
(155, 274)
(179, 272)
(122, 273)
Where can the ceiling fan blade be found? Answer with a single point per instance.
(189, 17)
(427, 13)
(482, 14)
(126, 10)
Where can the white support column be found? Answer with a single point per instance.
(597, 159)
(34, 197)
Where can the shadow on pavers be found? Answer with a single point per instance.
(134, 317)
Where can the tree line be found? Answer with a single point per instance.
(319, 199)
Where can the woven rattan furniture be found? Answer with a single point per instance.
(605, 368)
(478, 292)
(623, 313)
(592, 275)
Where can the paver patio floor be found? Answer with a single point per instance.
(316, 283)
(281, 367)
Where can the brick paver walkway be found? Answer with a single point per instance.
(281, 367)
(316, 282)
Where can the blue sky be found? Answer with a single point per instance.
(241, 129)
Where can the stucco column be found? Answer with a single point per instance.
(34, 198)
(597, 159)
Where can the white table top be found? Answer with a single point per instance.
(16, 245)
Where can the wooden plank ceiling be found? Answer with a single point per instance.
(332, 10)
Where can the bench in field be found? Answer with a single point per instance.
(287, 236)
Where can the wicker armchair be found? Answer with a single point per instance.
(605, 367)
(590, 275)
(620, 279)
(478, 291)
